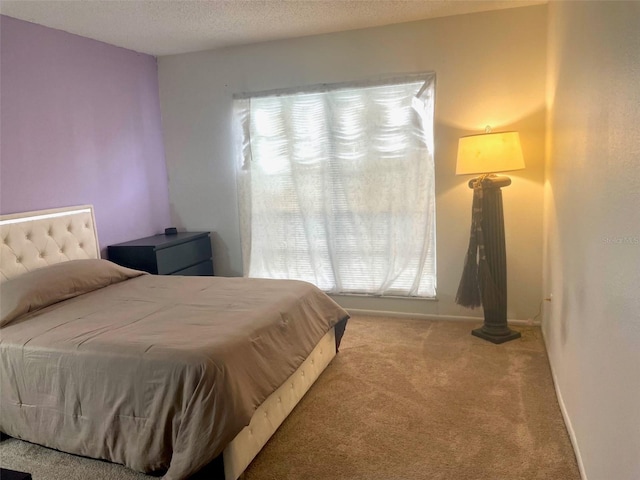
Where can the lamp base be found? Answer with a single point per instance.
(504, 335)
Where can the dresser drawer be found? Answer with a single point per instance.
(176, 257)
(201, 269)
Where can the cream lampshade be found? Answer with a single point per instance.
(489, 153)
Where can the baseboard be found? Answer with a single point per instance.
(431, 316)
(565, 415)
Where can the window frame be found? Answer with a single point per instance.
(429, 81)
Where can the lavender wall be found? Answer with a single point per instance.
(80, 123)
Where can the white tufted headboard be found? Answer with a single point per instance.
(34, 240)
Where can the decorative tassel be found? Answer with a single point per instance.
(469, 293)
(469, 290)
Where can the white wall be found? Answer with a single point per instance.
(490, 69)
(592, 220)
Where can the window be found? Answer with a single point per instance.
(336, 186)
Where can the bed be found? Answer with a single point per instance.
(167, 375)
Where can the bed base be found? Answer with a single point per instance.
(269, 416)
(237, 456)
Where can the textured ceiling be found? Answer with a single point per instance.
(165, 27)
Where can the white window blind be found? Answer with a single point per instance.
(336, 187)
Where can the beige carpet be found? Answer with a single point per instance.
(404, 399)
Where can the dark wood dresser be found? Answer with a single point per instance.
(184, 253)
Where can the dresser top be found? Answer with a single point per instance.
(162, 240)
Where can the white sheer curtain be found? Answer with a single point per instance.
(336, 187)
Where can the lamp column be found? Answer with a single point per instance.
(494, 297)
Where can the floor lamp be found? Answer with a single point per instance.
(484, 278)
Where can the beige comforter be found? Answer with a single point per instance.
(156, 372)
